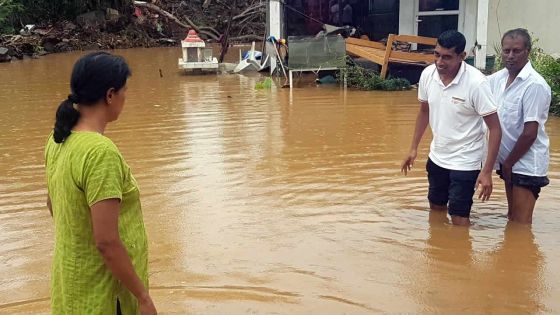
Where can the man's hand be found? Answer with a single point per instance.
(484, 183)
(507, 170)
(408, 162)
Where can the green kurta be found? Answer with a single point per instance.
(86, 168)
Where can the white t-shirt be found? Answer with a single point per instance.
(456, 113)
(526, 99)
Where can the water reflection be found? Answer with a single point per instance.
(448, 245)
(446, 281)
(461, 280)
(516, 268)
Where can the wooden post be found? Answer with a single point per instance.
(388, 49)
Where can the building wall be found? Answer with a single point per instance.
(540, 17)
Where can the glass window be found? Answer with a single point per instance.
(438, 5)
(433, 26)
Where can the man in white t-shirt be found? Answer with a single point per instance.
(523, 98)
(455, 99)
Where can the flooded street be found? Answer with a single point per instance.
(271, 202)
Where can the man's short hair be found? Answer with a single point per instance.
(519, 32)
(452, 39)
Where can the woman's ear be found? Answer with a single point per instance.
(110, 95)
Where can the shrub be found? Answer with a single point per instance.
(7, 9)
(549, 68)
(365, 79)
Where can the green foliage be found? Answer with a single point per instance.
(265, 84)
(7, 9)
(38, 11)
(546, 65)
(549, 68)
(365, 79)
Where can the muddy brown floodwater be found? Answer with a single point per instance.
(271, 202)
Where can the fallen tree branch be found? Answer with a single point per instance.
(225, 38)
(211, 29)
(250, 10)
(190, 24)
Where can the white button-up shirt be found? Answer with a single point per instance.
(456, 113)
(526, 99)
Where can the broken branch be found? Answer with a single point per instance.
(250, 10)
(190, 24)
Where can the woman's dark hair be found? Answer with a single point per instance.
(93, 75)
(452, 39)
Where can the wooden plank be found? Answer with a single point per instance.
(365, 43)
(372, 54)
(385, 64)
(416, 39)
(414, 57)
(383, 55)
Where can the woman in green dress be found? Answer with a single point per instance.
(100, 263)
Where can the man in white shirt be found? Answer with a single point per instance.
(455, 99)
(523, 98)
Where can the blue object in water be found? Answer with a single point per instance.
(258, 55)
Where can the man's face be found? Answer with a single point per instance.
(447, 60)
(514, 53)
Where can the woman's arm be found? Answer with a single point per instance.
(105, 216)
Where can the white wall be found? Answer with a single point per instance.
(469, 24)
(540, 17)
(406, 17)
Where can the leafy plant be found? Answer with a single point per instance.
(35, 11)
(265, 84)
(365, 79)
(7, 9)
(549, 68)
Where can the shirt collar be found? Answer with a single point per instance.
(526, 71)
(457, 78)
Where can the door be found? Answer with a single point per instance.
(434, 17)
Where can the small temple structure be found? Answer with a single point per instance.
(195, 54)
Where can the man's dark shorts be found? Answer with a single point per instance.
(453, 187)
(533, 183)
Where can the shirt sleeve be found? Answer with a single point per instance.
(422, 85)
(103, 175)
(483, 100)
(536, 103)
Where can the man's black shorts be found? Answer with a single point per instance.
(533, 183)
(453, 187)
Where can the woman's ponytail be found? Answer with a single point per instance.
(66, 118)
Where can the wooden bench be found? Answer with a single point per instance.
(384, 54)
